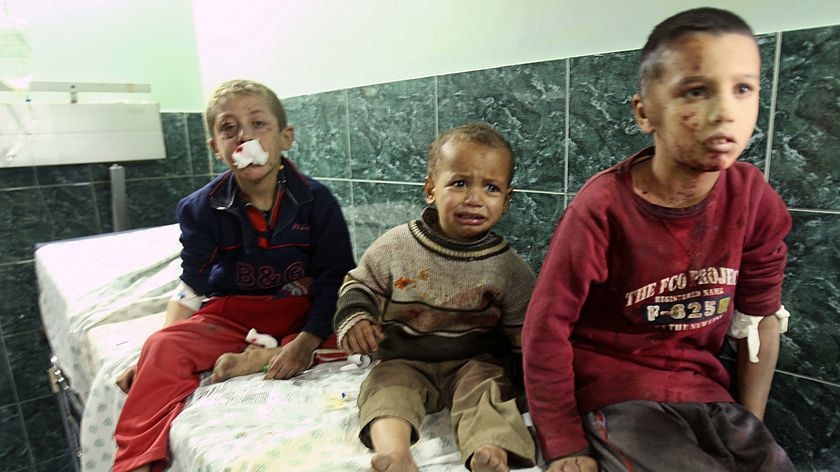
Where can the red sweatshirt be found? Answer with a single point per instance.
(634, 300)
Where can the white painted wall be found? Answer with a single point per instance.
(116, 41)
(184, 48)
(299, 47)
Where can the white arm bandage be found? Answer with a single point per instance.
(746, 326)
(184, 295)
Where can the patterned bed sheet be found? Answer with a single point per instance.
(309, 423)
(87, 282)
(102, 296)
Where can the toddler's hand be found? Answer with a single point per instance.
(363, 338)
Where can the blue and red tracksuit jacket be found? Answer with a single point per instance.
(301, 246)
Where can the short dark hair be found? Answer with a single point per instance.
(698, 20)
(476, 132)
(243, 87)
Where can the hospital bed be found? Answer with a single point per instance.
(101, 296)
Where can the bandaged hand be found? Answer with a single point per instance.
(363, 338)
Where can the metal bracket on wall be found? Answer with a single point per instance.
(74, 88)
(66, 130)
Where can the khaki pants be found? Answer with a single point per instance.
(477, 391)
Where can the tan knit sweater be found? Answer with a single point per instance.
(437, 299)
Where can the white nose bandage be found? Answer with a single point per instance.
(249, 152)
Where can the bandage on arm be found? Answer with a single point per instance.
(186, 296)
(746, 326)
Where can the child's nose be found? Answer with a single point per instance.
(721, 108)
(246, 133)
(472, 197)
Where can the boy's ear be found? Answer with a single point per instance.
(212, 143)
(508, 196)
(429, 190)
(287, 137)
(642, 119)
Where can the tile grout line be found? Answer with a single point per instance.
(812, 379)
(774, 91)
(96, 210)
(187, 143)
(810, 210)
(16, 398)
(566, 138)
(437, 118)
(416, 184)
(350, 167)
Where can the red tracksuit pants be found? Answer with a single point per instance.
(172, 358)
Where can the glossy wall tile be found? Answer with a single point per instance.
(391, 127)
(812, 294)
(602, 127)
(806, 136)
(526, 104)
(802, 415)
(322, 143)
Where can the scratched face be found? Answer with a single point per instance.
(703, 108)
(470, 188)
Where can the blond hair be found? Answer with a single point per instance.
(243, 87)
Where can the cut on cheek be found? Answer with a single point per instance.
(689, 123)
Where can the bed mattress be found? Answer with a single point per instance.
(87, 282)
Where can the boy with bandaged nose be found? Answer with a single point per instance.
(264, 247)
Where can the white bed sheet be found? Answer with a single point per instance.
(102, 296)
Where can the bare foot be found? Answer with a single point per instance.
(489, 458)
(233, 364)
(393, 462)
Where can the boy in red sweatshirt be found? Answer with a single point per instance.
(654, 261)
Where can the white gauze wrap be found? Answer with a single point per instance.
(186, 296)
(260, 339)
(746, 326)
(249, 152)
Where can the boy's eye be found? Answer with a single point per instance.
(259, 124)
(743, 89)
(227, 129)
(491, 188)
(459, 183)
(695, 92)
